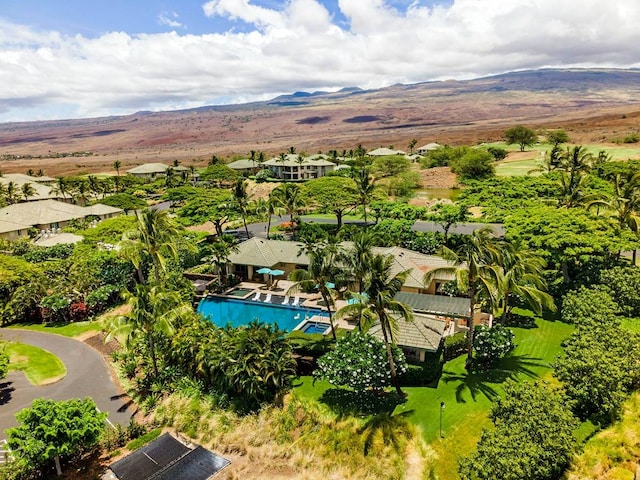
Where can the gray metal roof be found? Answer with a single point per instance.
(243, 164)
(435, 304)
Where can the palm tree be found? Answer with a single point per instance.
(153, 312)
(575, 163)
(12, 192)
(475, 266)
(241, 200)
(61, 187)
(261, 159)
(520, 275)
(292, 150)
(94, 185)
(623, 206)
(412, 144)
(378, 303)
(267, 208)
(357, 258)
(27, 191)
(365, 187)
(289, 197)
(155, 235)
(323, 273)
(252, 157)
(219, 252)
(116, 165)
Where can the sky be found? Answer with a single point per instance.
(90, 58)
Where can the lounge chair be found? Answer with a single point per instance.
(286, 300)
(256, 297)
(296, 301)
(268, 298)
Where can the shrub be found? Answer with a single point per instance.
(454, 346)
(359, 361)
(633, 138)
(475, 164)
(264, 175)
(144, 439)
(592, 304)
(40, 254)
(491, 344)
(624, 283)
(77, 312)
(101, 298)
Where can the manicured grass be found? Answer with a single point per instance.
(68, 330)
(468, 397)
(517, 168)
(144, 439)
(40, 366)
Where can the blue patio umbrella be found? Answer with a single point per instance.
(276, 272)
(264, 270)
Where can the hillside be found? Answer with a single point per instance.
(594, 106)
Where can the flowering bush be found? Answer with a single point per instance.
(359, 361)
(77, 312)
(491, 344)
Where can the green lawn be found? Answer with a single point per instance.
(468, 397)
(67, 330)
(523, 166)
(40, 366)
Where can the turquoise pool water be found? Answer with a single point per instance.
(237, 313)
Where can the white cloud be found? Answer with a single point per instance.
(303, 46)
(170, 19)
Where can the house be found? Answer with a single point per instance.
(166, 458)
(383, 152)
(436, 314)
(47, 216)
(295, 167)
(154, 170)
(425, 149)
(42, 190)
(287, 256)
(245, 165)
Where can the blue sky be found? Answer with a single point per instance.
(71, 58)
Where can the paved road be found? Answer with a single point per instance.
(87, 376)
(260, 229)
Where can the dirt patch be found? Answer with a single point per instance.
(437, 177)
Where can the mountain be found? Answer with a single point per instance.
(593, 105)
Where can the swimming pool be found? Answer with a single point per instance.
(314, 327)
(239, 292)
(237, 313)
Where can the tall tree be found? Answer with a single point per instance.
(521, 135)
(289, 197)
(218, 255)
(623, 205)
(521, 276)
(27, 191)
(323, 273)
(12, 192)
(153, 312)
(357, 258)
(574, 164)
(332, 194)
(381, 287)
(475, 264)
(155, 235)
(412, 144)
(51, 430)
(365, 185)
(241, 201)
(116, 165)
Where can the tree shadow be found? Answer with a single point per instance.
(348, 403)
(521, 321)
(482, 382)
(389, 430)
(6, 390)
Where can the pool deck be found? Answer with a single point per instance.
(307, 300)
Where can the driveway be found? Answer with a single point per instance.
(87, 376)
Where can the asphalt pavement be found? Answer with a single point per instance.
(87, 376)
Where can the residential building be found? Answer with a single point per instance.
(154, 170)
(47, 216)
(295, 167)
(423, 150)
